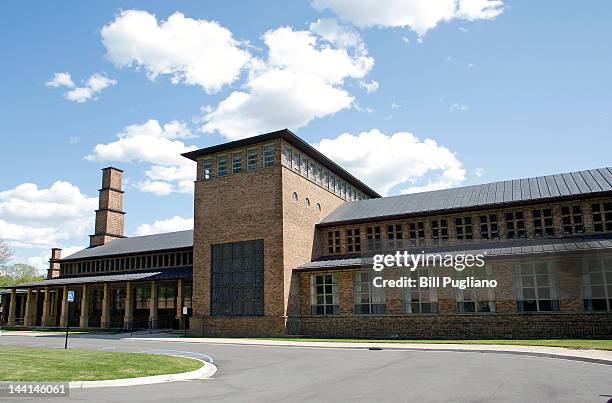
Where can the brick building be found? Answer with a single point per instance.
(283, 243)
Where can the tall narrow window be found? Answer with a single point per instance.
(288, 158)
(333, 241)
(207, 169)
(369, 300)
(439, 231)
(324, 298)
(353, 240)
(463, 228)
(395, 236)
(416, 233)
(253, 159)
(543, 224)
(305, 167)
(536, 288)
(602, 216)
(597, 284)
(489, 227)
(222, 165)
(473, 300)
(296, 161)
(373, 238)
(237, 163)
(326, 180)
(319, 175)
(571, 218)
(268, 155)
(311, 171)
(420, 299)
(515, 225)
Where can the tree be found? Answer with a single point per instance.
(18, 274)
(5, 253)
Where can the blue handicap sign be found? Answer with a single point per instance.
(70, 296)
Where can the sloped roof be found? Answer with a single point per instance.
(491, 249)
(490, 194)
(147, 243)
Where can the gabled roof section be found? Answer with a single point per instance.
(566, 185)
(137, 244)
(295, 141)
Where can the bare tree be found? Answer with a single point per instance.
(5, 253)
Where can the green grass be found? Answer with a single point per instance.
(44, 364)
(567, 343)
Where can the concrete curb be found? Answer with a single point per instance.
(207, 371)
(589, 356)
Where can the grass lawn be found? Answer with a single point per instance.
(44, 364)
(567, 343)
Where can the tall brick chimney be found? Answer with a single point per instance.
(110, 214)
(54, 266)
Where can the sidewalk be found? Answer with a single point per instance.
(592, 356)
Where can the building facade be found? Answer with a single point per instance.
(284, 240)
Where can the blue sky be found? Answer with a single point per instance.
(504, 90)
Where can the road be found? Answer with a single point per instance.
(290, 374)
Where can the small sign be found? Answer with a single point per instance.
(70, 296)
(185, 310)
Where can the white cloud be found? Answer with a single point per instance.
(173, 224)
(406, 40)
(418, 15)
(190, 51)
(401, 159)
(91, 87)
(33, 217)
(395, 105)
(73, 140)
(463, 29)
(41, 261)
(370, 87)
(301, 80)
(478, 172)
(60, 80)
(458, 107)
(159, 145)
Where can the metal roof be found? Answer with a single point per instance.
(292, 139)
(491, 249)
(570, 184)
(165, 274)
(137, 244)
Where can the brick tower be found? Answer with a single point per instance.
(110, 214)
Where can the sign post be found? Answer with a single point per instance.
(70, 299)
(185, 311)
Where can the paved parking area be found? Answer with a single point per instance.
(280, 373)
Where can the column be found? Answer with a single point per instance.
(27, 317)
(84, 322)
(179, 299)
(128, 317)
(23, 305)
(45, 311)
(12, 307)
(105, 320)
(153, 305)
(65, 308)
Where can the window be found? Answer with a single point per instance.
(326, 180)
(439, 230)
(332, 184)
(535, 286)
(571, 218)
(515, 225)
(237, 279)
(420, 299)
(253, 159)
(602, 217)
(463, 228)
(294, 196)
(288, 158)
(416, 233)
(344, 190)
(543, 222)
(369, 300)
(222, 165)
(142, 298)
(311, 172)
(207, 169)
(488, 227)
(305, 167)
(475, 300)
(318, 207)
(333, 241)
(324, 294)
(296, 161)
(353, 240)
(597, 284)
(319, 175)
(373, 238)
(395, 236)
(268, 155)
(307, 202)
(237, 163)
